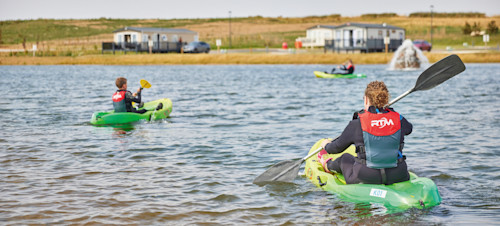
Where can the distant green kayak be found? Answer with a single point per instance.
(320, 74)
(418, 192)
(112, 118)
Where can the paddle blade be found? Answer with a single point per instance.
(439, 72)
(284, 171)
(145, 84)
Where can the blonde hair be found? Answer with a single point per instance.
(120, 81)
(377, 93)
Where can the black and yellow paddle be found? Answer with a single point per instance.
(446, 68)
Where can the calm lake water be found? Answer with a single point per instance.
(229, 124)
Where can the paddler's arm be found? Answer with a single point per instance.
(343, 141)
(136, 97)
(406, 126)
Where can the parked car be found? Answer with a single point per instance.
(422, 45)
(196, 47)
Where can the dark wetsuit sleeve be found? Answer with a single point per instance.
(130, 98)
(345, 139)
(406, 127)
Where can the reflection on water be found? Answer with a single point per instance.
(230, 124)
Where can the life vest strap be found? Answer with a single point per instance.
(384, 176)
(401, 159)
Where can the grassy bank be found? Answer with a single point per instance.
(231, 58)
(77, 37)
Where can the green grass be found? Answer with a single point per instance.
(448, 33)
(453, 36)
(14, 32)
(269, 39)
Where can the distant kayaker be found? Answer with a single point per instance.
(348, 69)
(122, 98)
(378, 134)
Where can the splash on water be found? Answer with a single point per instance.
(153, 116)
(408, 57)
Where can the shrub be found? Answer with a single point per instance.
(456, 15)
(467, 29)
(378, 15)
(492, 28)
(476, 27)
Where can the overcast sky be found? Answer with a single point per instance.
(169, 9)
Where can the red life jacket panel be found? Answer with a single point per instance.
(119, 101)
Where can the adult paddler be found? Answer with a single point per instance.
(378, 134)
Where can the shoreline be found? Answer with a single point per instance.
(234, 58)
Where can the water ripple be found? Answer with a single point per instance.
(229, 124)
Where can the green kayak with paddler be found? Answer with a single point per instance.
(365, 164)
(128, 107)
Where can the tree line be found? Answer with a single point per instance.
(457, 15)
(491, 28)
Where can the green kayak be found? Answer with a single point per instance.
(320, 74)
(112, 118)
(418, 192)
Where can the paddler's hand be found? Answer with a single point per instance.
(325, 142)
(138, 91)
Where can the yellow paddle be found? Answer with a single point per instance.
(144, 84)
